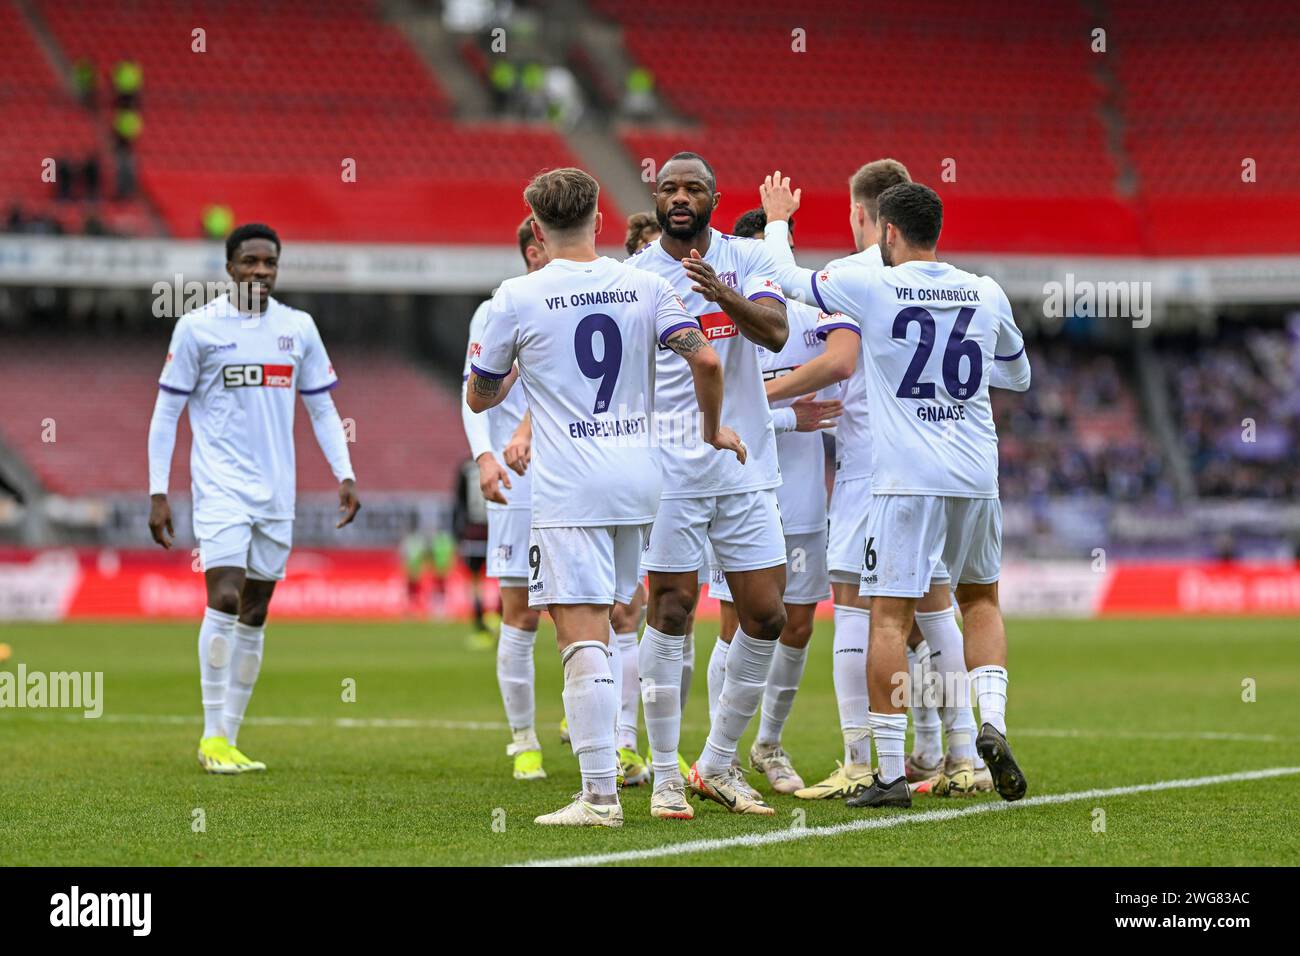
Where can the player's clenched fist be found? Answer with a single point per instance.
(160, 521)
(349, 503)
(491, 476)
(728, 440)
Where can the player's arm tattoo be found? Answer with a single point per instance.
(487, 387)
(688, 342)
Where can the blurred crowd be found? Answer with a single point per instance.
(1237, 404)
(1078, 430)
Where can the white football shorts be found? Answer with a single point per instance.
(910, 536)
(507, 554)
(591, 565)
(260, 546)
(806, 580)
(744, 530)
(847, 536)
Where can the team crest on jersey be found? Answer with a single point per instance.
(285, 343)
(505, 552)
(718, 325)
(728, 277)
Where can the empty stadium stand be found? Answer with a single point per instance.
(98, 398)
(290, 98)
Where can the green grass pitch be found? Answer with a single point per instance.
(414, 771)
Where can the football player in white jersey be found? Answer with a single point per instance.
(237, 363)
(802, 498)
(931, 337)
(935, 621)
(729, 284)
(509, 507)
(585, 331)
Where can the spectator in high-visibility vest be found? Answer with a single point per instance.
(639, 98)
(85, 81)
(128, 78)
(502, 77)
(218, 220)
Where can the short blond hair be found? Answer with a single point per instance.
(562, 199)
(866, 185)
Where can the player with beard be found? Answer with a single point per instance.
(729, 284)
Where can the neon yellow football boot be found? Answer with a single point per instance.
(245, 764)
(528, 756)
(215, 756)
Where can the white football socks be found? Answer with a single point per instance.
(615, 672)
(990, 686)
(590, 706)
(216, 640)
(515, 677)
(948, 658)
(782, 685)
(629, 691)
(748, 662)
(890, 732)
(688, 667)
(245, 664)
(849, 670)
(928, 745)
(715, 674)
(660, 666)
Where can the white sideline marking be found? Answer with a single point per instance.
(421, 723)
(415, 723)
(884, 823)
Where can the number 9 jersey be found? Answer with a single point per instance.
(585, 336)
(930, 336)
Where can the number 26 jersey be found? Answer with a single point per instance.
(930, 336)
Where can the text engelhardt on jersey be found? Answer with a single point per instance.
(77, 690)
(625, 427)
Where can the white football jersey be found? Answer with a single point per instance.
(502, 421)
(802, 494)
(693, 469)
(584, 335)
(930, 336)
(242, 373)
(853, 428)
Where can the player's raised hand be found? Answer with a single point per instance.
(706, 280)
(810, 415)
(160, 521)
(490, 478)
(778, 200)
(728, 440)
(349, 503)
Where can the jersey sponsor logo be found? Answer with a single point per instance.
(718, 325)
(255, 376)
(210, 349)
(771, 284)
(475, 350)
